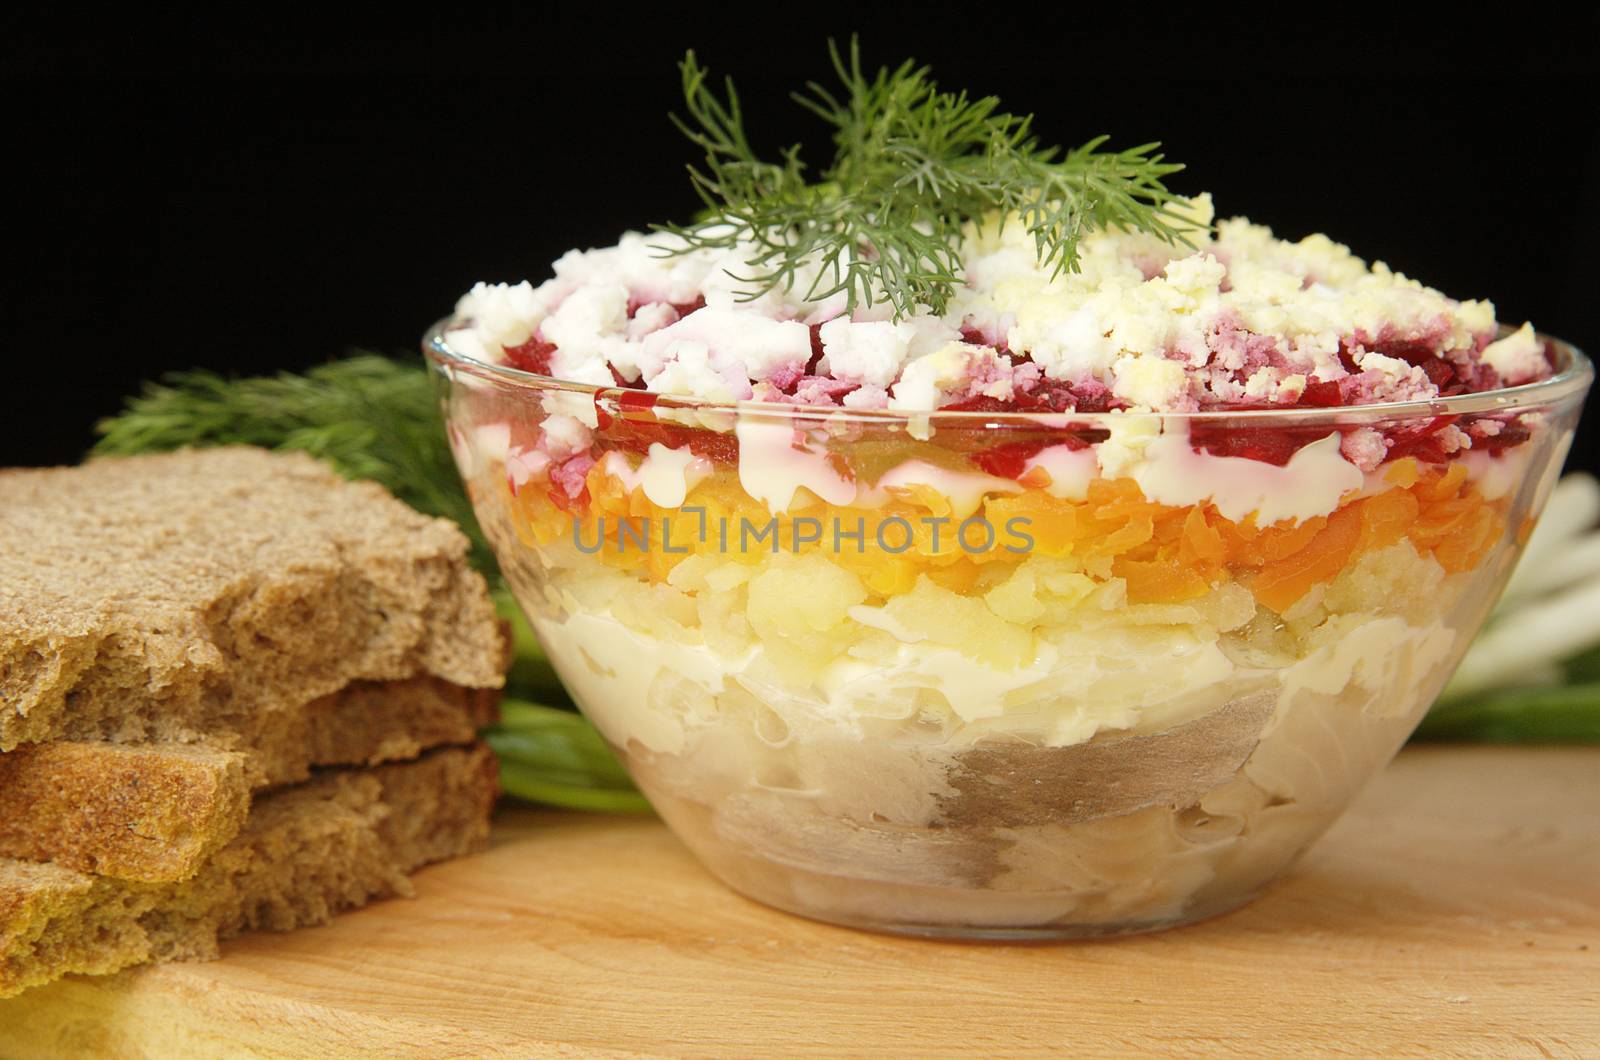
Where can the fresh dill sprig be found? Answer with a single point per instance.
(368, 416)
(912, 166)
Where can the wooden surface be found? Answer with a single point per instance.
(1455, 910)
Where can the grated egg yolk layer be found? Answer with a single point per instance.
(1165, 554)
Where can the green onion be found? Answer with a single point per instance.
(532, 784)
(554, 756)
(1544, 715)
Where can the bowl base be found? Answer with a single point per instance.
(981, 933)
(959, 913)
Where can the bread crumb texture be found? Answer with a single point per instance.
(155, 812)
(148, 597)
(305, 853)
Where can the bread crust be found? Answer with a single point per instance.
(185, 640)
(156, 597)
(155, 812)
(306, 853)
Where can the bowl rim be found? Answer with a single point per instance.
(1572, 379)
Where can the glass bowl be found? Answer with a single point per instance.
(1001, 675)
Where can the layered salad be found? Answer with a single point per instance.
(1077, 594)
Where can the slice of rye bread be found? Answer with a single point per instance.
(154, 812)
(308, 852)
(151, 597)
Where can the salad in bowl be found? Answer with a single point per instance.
(979, 540)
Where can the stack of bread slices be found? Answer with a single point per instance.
(236, 692)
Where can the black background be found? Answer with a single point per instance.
(250, 195)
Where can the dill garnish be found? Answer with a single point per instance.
(883, 221)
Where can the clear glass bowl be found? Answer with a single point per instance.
(1001, 675)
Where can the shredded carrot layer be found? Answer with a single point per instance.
(1165, 554)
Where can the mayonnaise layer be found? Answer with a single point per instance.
(776, 462)
(658, 692)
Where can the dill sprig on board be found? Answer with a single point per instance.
(912, 165)
(368, 416)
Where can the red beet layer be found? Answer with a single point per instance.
(637, 428)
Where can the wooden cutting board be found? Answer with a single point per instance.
(1455, 910)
